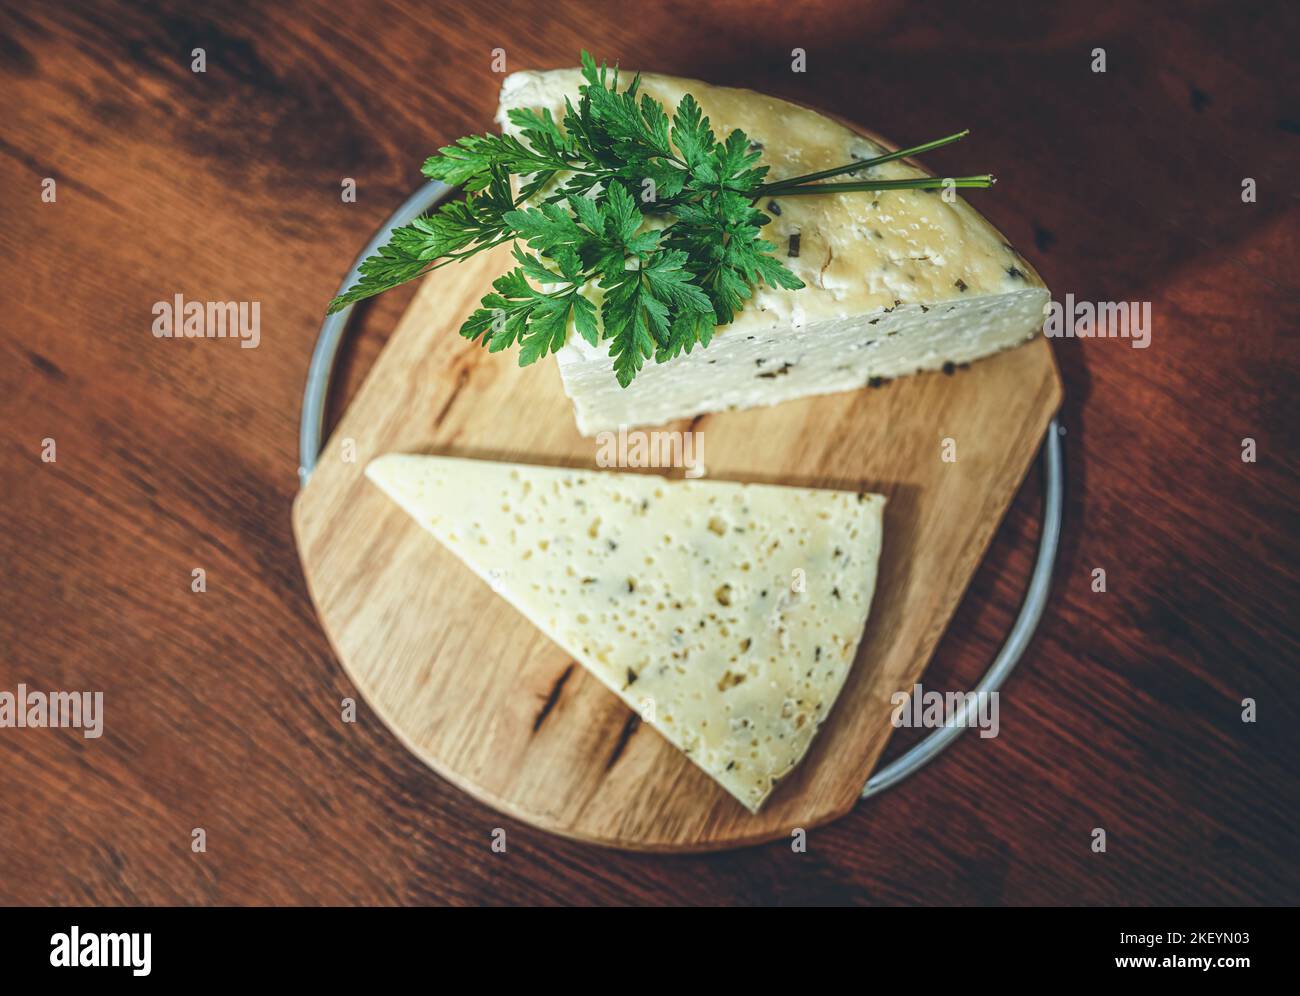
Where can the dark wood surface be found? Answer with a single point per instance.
(222, 708)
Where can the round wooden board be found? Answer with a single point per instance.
(496, 708)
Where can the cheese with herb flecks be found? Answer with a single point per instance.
(727, 615)
(896, 281)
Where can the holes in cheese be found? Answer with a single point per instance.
(727, 615)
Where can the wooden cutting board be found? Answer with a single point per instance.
(493, 706)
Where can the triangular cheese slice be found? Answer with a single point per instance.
(896, 281)
(727, 615)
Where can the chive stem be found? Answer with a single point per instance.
(858, 164)
(918, 183)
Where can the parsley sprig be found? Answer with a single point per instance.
(668, 267)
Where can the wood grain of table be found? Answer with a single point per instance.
(222, 708)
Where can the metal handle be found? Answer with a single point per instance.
(1030, 612)
(313, 421)
(312, 424)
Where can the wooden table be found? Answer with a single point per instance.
(222, 708)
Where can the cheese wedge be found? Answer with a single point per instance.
(896, 281)
(727, 615)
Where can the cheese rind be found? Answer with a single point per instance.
(896, 281)
(727, 615)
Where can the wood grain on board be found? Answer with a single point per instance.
(223, 709)
(495, 707)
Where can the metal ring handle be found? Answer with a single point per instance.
(1031, 611)
(312, 426)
